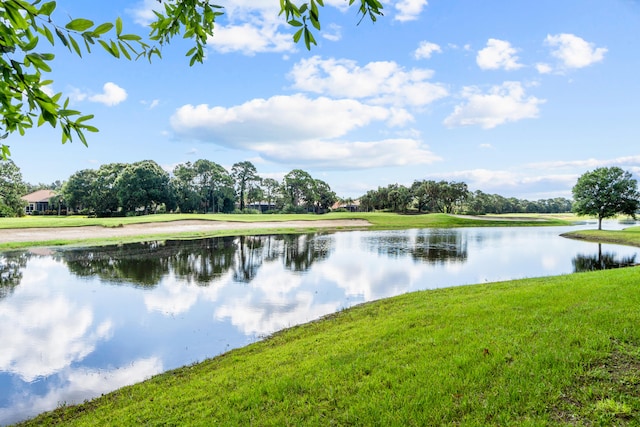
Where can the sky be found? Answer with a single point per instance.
(513, 97)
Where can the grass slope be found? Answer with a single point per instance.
(548, 351)
(629, 236)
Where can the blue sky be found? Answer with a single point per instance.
(512, 97)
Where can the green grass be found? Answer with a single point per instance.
(548, 351)
(629, 236)
(377, 220)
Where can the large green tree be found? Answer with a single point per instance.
(298, 188)
(11, 189)
(606, 192)
(143, 185)
(78, 191)
(25, 63)
(245, 176)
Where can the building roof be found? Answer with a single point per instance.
(39, 196)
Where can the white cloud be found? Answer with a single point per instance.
(112, 95)
(251, 38)
(531, 184)
(626, 161)
(143, 12)
(382, 82)
(279, 118)
(487, 146)
(426, 49)
(498, 55)
(294, 129)
(544, 68)
(573, 51)
(502, 104)
(408, 10)
(333, 33)
(350, 155)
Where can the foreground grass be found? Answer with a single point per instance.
(548, 351)
(377, 221)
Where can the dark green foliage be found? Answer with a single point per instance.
(606, 192)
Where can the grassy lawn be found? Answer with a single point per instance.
(628, 236)
(379, 219)
(548, 351)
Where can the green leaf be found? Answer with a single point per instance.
(295, 23)
(124, 51)
(131, 37)
(64, 112)
(33, 42)
(297, 35)
(62, 37)
(79, 24)
(15, 15)
(103, 28)
(47, 33)
(75, 46)
(118, 26)
(47, 8)
(6, 153)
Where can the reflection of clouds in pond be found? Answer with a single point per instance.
(78, 385)
(261, 316)
(271, 302)
(44, 333)
(175, 296)
(367, 277)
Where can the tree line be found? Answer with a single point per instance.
(204, 186)
(453, 197)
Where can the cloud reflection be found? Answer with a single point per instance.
(43, 333)
(77, 386)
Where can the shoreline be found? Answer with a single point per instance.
(21, 235)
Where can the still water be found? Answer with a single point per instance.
(76, 323)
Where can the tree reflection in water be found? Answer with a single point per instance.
(440, 247)
(198, 261)
(11, 266)
(429, 246)
(601, 261)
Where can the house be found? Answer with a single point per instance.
(38, 201)
(349, 205)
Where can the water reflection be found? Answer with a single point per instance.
(602, 261)
(11, 267)
(69, 334)
(200, 261)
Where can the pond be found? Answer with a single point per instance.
(76, 323)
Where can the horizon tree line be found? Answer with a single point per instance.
(143, 187)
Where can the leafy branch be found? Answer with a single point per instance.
(25, 94)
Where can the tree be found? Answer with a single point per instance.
(24, 25)
(606, 192)
(187, 195)
(11, 189)
(270, 190)
(142, 185)
(324, 198)
(244, 175)
(215, 186)
(297, 186)
(105, 193)
(78, 191)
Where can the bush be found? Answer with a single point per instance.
(6, 211)
(290, 209)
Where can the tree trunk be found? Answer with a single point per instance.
(599, 223)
